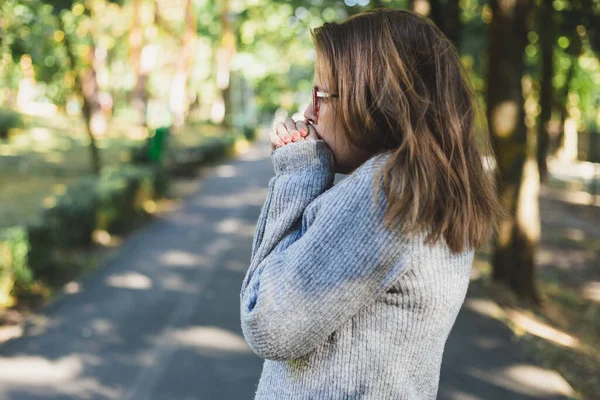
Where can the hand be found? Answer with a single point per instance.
(291, 131)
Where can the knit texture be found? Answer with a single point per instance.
(338, 306)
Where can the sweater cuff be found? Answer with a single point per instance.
(299, 156)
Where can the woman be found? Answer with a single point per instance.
(353, 289)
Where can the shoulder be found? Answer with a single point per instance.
(371, 167)
(365, 175)
(357, 191)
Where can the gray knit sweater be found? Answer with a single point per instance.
(339, 307)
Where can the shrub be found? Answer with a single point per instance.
(212, 148)
(122, 193)
(139, 154)
(6, 275)
(250, 132)
(160, 180)
(15, 273)
(215, 147)
(8, 120)
(73, 219)
(42, 258)
(46, 249)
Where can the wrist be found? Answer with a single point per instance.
(302, 155)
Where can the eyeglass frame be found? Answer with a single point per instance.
(316, 95)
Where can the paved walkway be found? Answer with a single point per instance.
(162, 320)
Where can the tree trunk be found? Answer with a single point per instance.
(514, 248)
(179, 98)
(91, 109)
(445, 16)
(429, 8)
(224, 57)
(546, 15)
(562, 145)
(87, 86)
(139, 97)
(452, 22)
(562, 103)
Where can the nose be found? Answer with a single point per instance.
(309, 114)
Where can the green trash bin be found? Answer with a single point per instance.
(157, 144)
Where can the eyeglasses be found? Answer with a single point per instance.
(316, 95)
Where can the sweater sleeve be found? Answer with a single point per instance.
(303, 171)
(300, 288)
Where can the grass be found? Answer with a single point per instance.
(48, 155)
(51, 153)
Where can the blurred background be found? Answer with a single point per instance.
(113, 115)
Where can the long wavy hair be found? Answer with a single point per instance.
(404, 91)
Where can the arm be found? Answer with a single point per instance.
(303, 171)
(305, 287)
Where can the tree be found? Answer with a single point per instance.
(446, 16)
(576, 33)
(224, 57)
(451, 26)
(139, 98)
(514, 248)
(83, 64)
(85, 82)
(547, 40)
(179, 99)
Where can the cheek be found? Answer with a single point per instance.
(329, 129)
(326, 119)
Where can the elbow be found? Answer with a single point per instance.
(273, 340)
(272, 330)
(275, 351)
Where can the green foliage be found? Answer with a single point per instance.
(214, 148)
(183, 160)
(8, 120)
(139, 154)
(63, 5)
(250, 132)
(14, 270)
(160, 180)
(43, 257)
(30, 31)
(122, 193)
(73, 219)
(114, 201)
(43, 250)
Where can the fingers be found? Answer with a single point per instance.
(282, 131)
(290, 124)
(302, 128)
(290, 131)
(275, 141)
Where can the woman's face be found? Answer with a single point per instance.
(347, 157)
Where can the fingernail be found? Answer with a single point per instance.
(286, 139)
(281, 142)
(295, 137)
(303, 132)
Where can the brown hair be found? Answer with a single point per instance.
(404, 91)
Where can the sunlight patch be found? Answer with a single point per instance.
(130, 280)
